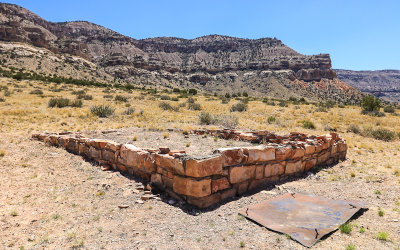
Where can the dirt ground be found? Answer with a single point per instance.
(53, 199)
(195, 145)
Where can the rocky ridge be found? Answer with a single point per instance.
(214, 63)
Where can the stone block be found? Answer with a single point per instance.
(293, 167)
(108, 156)
(113, 146)
(260, 171)
(170, 163)
(241, 173)
(167, 182)
(242, 187)
(310, 164)
(323, 157)
(274, 169)
(310, 149)
(283, 153)
(83, 149)
(232, 156)
(205, 167)
(192, 187)
(259, 153)
(298, 153)
(219, 184)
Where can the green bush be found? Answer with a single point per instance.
(36, 92)
(370, 103)
(58, 102)
(271, 119)
(239, 107)
(194, 106)
(76, 103)
(388, 109)
(85, 97)
(120, 98)
(165, 97)
(380, 134)
(192, 91)
(206, 118)
(354, 129)
(102, 110)
(346, 228)
(308, 124)
(129, 111)
(167, 106)
(227, 121)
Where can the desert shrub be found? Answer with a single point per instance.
(354, 129)
(382, 236)
(239, 107)
(370, 103)
(108, 96)
(175, 99)
(7, 92)
(271, 119)
(225, 100)
(165, 97)
(79, 92)
(182, 104)
(167, 106)
(227, 121)
(194, 106)
(346, 228)
(206, 118)
(379, 134)
(308, 124)
(282, 104)
(2, 99)
(102, 110)
(36, 92)
(191, 100)
(245, 94)
(85, 97)
(58, 102)
(76, 103)
(227, 95)
(129, 111)
(120, 98)
(388, 109)
(192, 91)
(376, 113)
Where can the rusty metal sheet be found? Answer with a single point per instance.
(306, 218)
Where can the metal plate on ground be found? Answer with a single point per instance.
(306, 218)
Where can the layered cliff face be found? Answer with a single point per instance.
(212, 63)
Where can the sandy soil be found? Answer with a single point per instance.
(53, 199)
(192, 144)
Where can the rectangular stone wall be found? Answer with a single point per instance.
(228, 172)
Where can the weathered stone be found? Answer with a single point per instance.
(83, 149)
(241, 173)
(94, 153)
(293, 167)
(283, 153)
(232, 156)
(202, 168)
(341, 146)
(255, 184)
(298, 153)
(260, 171)
(310, 149)
(122, 168)
(219, 184)
(113, 146)
(156, 179)
(192, 187)
(168, 182)
(310, 164)
(259, 153)
(274, 169)
(242, 187)
(107, 156)
(164, 150)
(204, 202)
(146, 161)
(323, 158)
(334, 149)
(170, 163)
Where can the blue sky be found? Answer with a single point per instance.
(358, 34)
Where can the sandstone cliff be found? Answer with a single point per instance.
(212, 63)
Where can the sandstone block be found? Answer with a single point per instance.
(259, 153)
(219, 184)
(293, 167)
(274, 169)
(108, 156)
(260, 171)
(310, 164)
(298, 153)
(232, 156)
(83, 149)
(192, 187)
(321, 159)
(255, 184)
(310, 149)
(283, 153)
(169, 163)
(205, 167)
(242, 187)
(113, 146)
(167, 182)
(241, 173)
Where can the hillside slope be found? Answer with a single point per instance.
(214, 63)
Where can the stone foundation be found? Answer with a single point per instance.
(204, 181)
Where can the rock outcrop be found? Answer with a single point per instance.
(211, 63)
